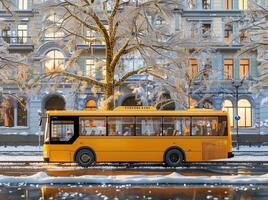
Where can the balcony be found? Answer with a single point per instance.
(18, 42)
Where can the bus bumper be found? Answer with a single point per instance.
(230, 154)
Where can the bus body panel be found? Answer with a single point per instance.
(142, 149)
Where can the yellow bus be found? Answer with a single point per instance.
(137, 134)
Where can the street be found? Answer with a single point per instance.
(41, 181)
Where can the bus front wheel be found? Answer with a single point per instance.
(174, 158)
(85, 157)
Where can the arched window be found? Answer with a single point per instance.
(22, 112)
(245, 113)
(91, 105)
(52, 29)
(54, 61)
(228, 107)
(7, 113)
(130, 101)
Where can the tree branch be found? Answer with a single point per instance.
(129, 74)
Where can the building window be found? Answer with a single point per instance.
(243, 4)
(245, 113)
(192, 4)
(228, 69)
(22, 34)
(52, 29)
(95, 68)
(228, 107)
(244, 68)
(228, 4)
(22, 112)
(90, 68)
(193, 68)
(54, 61)
(206, 4)
(6, 34)
(206, 30)
(22, 4)
(91, 105)
(7, 113)
(228, 30)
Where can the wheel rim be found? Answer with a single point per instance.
(85, 158)
(174, 157)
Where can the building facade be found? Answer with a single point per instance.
(237, 73)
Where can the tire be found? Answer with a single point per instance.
(174, 158)
(85, 157)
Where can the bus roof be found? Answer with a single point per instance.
(195, 112)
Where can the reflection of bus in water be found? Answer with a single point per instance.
(138, 192)
(137, 134)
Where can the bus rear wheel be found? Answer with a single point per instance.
(85, 157)
(174, 158)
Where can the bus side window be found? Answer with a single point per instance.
(176, 126)
(92, 126)
(222, 130)
(62, 130)
(121, 126)
(148, 126)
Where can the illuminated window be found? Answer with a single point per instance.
(228, 107)
(91, 105)
(22, 4)
(245, 113)
(243, 4)
(7, 113)
(90, 68)
(22, 34)
(244, 68)
(54, 61)
(193, 71)
(228, 30)
(193, 102)
(228, 4)
(22, 112)
(52, 29)
(228, 69)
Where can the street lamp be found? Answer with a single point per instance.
(237, 84)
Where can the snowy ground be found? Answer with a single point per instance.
(173, 178)
(21, 148)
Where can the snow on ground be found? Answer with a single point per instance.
(22, 158)
(246, 158)
(21, 148)
(173, 178)
(251, 148)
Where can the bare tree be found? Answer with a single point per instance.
(253, 35)
(126, 28)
